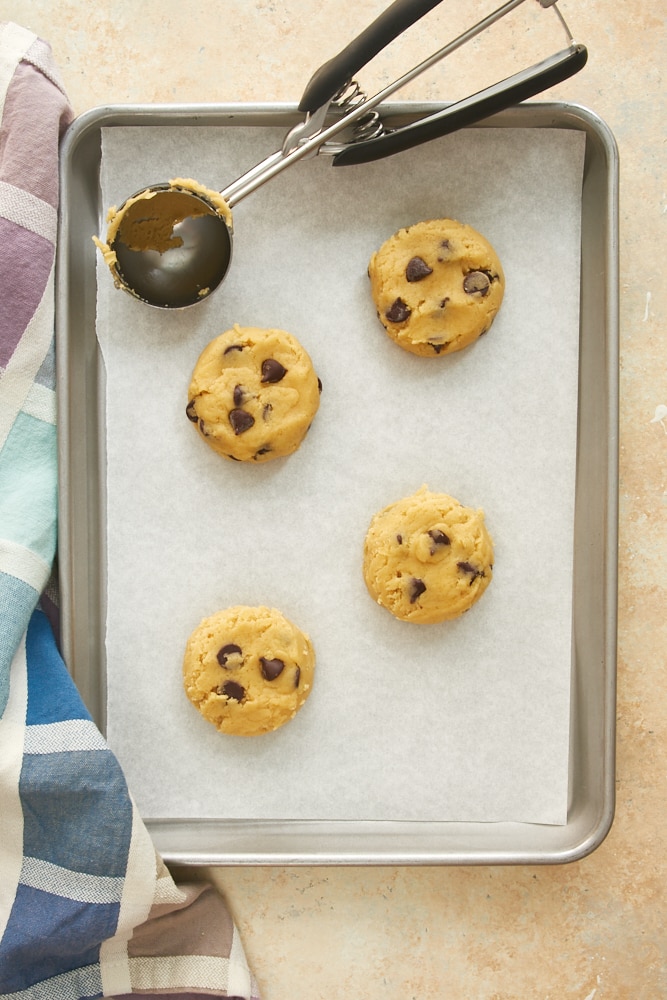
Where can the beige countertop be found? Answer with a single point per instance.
(590, 929)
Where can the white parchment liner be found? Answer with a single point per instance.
(467, 720)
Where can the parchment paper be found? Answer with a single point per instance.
(467, 720)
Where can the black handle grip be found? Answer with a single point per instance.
(334, 74)
(512, 91)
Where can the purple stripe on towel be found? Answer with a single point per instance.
(35, 114)
(25, 264)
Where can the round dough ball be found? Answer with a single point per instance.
(427, 558)
(248, 669)
(253, 394)
(437, 286)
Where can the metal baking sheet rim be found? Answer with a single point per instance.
(189, 841)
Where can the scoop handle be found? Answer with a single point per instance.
(338, 71)
(482, 105)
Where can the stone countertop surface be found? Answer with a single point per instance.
(594, 928)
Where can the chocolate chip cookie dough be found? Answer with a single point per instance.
(248, 669)
(437, 286)
(427, 558)
(253, 394)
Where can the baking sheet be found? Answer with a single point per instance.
(465, 721)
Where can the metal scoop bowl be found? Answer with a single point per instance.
(172, 246)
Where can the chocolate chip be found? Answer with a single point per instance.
(438, 347)
(266, 412)
(202, 428)
(271, 668)
(417, 269)
(233, 347)
(467, 567)
(399, 539)
(241, 420)
(231, 649)
(262, 451)
(190, 411)
(272, 370)
(398, 312)
(417, 588)
(443, 302)
(297, 677)
(439, 538)
(319, 384)
(476, 283)
(446, 245)
(239, 395)
(233, 690)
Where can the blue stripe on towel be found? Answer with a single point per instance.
(89, 787)
(52, 696)
(77, 816)
(86, 784)
(46, 936)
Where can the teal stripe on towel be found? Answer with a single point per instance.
(28, 486)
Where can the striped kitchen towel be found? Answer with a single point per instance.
(87, 907)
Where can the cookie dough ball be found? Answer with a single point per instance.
(437, 286)
(248, 670)
(427, 558)
(253, 394)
